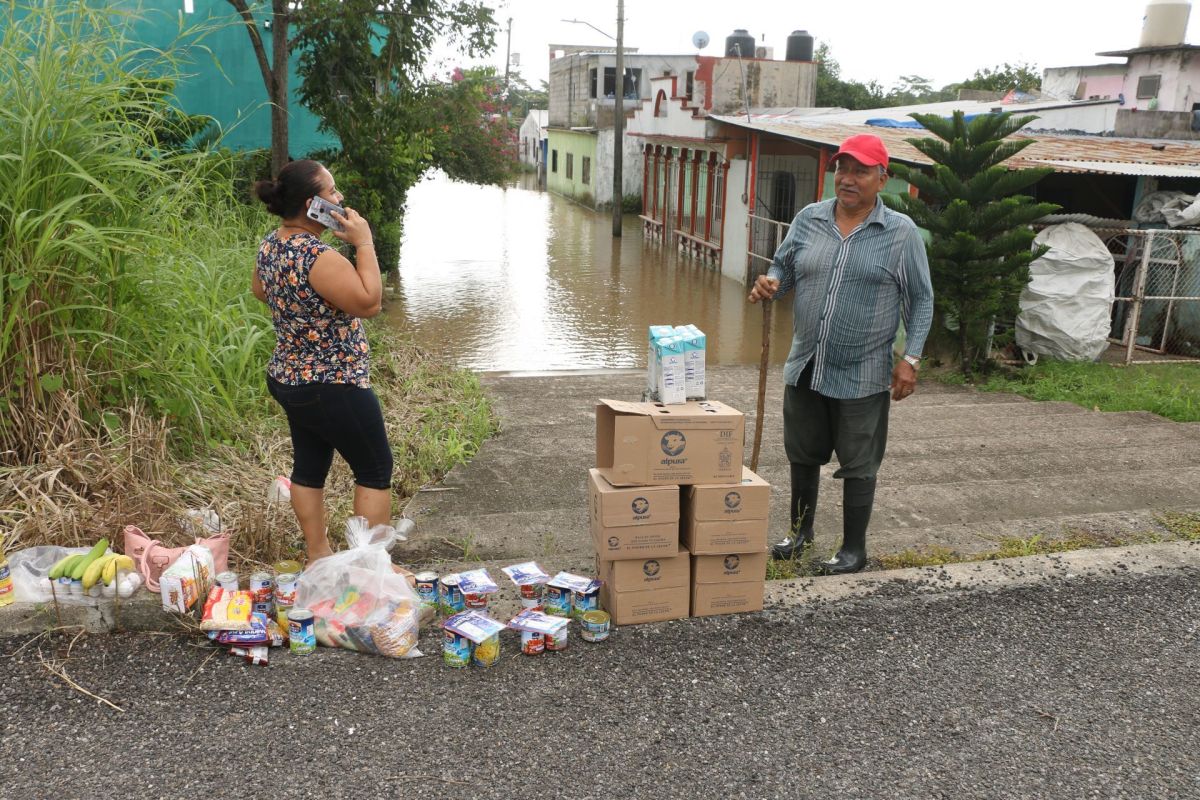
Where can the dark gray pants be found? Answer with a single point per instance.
(815, 427)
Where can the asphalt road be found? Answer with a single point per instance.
(1065, 689)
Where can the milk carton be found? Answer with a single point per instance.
(693, 359)
(656, 332)
(672, 376)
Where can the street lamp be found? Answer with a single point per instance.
(618, 115)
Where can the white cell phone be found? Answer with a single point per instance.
(319, 210)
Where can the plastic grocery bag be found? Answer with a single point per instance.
(358, 601)
(30, 570)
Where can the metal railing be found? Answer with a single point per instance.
(766, 235)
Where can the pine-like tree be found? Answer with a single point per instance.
(981, 240)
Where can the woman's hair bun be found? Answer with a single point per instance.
(266, 191)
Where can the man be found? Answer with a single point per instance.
(857, 269)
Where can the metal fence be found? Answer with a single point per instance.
(1156, 313)
(766, 235)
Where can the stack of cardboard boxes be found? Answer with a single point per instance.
(678, 523)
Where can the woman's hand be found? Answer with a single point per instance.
(356, 231)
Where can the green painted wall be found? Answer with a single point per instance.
(577, 145)
(222, 75)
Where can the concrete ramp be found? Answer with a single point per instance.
(964, 469)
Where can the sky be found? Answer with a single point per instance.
(878, 40)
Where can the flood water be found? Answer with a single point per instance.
(518, 279)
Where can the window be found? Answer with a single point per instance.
(570, 165)
(633, 79)
(689, 84)
(592, 82)
(1148, 86)
(587, 170)
(554, 161)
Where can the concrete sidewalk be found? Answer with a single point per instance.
(964, 469)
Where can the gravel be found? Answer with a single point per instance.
(1064, 689)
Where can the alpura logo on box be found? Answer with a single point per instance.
(651, 568)
(641, 508)
(733, 502)
(673, 444)
(732, 563)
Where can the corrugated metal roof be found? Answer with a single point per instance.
(1122, 168)
(1095, 154)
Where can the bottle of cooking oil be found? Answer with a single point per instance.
(6, 584)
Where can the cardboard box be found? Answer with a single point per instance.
(709, 599)
(652, 605)
(641, 444)
(718, 537)
(730, 568)
(640, 574)
(632, 522)
(749, 499)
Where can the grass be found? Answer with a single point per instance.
(1172, 526)
(1169, 390)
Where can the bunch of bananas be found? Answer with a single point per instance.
(93, 567)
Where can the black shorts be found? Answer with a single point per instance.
(324, 417)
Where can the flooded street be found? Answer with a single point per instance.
(518, 279)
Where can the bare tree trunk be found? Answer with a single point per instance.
(275, 78)
(279, 99)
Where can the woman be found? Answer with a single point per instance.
(320, 370)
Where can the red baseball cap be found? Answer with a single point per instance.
(865, 148)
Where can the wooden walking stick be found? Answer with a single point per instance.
(762, 384)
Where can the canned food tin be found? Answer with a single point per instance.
(450, 596)
(557, 601)
(427, 587)
(285, 589)
(287, 566)
(476, 601)
(281, 617)
(301, 631)
(594, 626)
(583, 602)
(531, 595)
(262, 593)
(456, 649)
(532, 643)
(557, 642)
(487, 652)
(228, 581)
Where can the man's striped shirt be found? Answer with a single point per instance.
(850, 295)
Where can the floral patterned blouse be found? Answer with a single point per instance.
(314, 342)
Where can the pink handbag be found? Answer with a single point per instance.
(152, 558)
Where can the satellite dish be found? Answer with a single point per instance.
(700, 39)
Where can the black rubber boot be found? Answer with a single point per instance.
(858, 497)
(806, 480)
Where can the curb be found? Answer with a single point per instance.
(144, 612)
(992, 576)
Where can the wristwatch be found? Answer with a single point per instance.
(913, 361)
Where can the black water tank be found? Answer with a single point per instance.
(800, 46)
(739, 39)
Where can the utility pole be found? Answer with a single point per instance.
(507, 56)
(619, 124)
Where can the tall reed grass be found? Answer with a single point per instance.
(123, 267)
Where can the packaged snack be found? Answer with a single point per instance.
(257, 633)
(526, 573)
(226, 611)
(187, 580)
(253, 655)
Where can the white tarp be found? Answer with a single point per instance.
(1066, 307)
